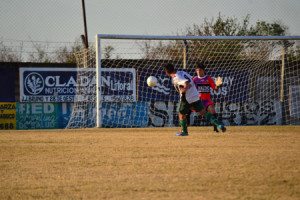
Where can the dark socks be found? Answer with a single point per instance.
(212, 119)
(183, 124)
(215, 126)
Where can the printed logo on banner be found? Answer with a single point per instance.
(164, 91)
(34, 83)
(161, 85)
(118, 85)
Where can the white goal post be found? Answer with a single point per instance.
(260, 74)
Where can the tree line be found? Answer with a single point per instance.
(224, 49)
(219, 26)
(39, 52)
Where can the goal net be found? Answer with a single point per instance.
(261, 84)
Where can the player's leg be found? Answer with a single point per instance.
(212, 119)
(211, 109)
(183, 124)
(183, 109)
(200, 108)
(188, 117)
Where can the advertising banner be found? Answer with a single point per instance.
(294, 94)
(164, 114)
(130, 114)
(61, 85)
(164, 91)
(37, 116)
(64, 114)
(125, 114)
(118, 84)
(7, 79)
(234, 88)
(7, 116)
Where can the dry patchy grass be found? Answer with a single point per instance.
(151, 163)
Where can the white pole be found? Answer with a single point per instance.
(98, 83)
(282, 85)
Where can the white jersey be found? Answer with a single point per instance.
(191, 95)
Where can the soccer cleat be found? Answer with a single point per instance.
(216, 129)
(181, 134)
(223, 128)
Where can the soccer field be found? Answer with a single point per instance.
(151, 163)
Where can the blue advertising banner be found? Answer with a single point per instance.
(164, 91)
(7, 79)
(64, 114)
(61, 85)
(131, 114)
(118, 84)
(234, 88)
(123, 115)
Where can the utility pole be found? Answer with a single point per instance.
(86, 42)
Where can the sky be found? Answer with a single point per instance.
(62, 20)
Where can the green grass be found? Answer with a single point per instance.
(151, 163)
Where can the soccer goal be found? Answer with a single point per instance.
(261, 84)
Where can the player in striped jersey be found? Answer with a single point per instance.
(189, 99)
(203, 84)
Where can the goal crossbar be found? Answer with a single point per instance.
(156, 37)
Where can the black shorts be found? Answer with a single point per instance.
(185, 107)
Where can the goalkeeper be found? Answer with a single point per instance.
(203, 84)
(189, 99)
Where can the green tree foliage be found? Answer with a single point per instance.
(222, 49)
(40, 52)
(293, 53)
(222, 26)
(67, 54)
(107, 51)
(62, 54)
(9, 54)
(262, 28)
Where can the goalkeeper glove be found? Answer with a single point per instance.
(219, 81)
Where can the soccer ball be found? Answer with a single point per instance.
(151, 81)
